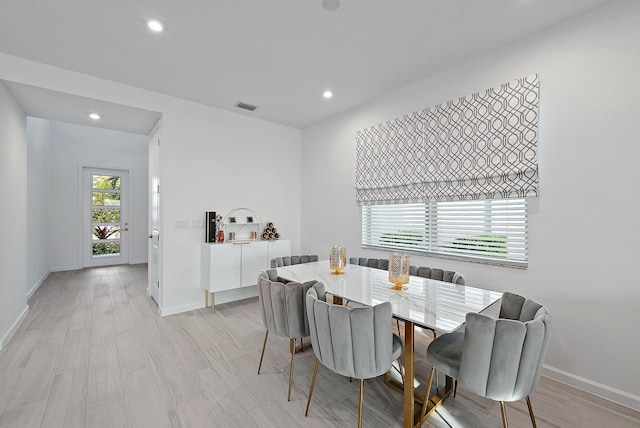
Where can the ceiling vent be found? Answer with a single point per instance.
(246, 106)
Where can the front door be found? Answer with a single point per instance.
(106, 217)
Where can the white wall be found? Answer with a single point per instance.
(214, 160)
(38, 209)
(13, 223)
(583, 239)
(211, 160)
(74, 146)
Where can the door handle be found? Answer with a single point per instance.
(125, 229)
(150, 236)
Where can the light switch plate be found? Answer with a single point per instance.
(182, 224)
(197, 224)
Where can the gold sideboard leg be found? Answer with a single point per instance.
(206, 298)
(213, 308)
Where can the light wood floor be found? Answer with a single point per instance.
(94, 352)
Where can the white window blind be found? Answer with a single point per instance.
(489, 230)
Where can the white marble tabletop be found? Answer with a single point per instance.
(425, 302)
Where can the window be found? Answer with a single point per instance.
(490, 231)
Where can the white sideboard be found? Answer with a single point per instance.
(232, 266)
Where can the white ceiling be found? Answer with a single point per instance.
(53, 105)
(277, 54)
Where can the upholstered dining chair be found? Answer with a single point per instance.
(372, 263)
(439, 274)
(500, 359)
(283, 312)
(357, 343)
(292, 260)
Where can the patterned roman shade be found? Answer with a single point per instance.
(483, 146)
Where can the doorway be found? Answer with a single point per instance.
(153, 269)
(106, 224)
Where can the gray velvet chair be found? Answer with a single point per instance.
(372, 263)
(283, 312)
(438, 274)
(292, 260)
(357, 343)
(500, 359)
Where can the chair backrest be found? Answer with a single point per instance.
(283, 305)
(438, 274)
(292, 260)
(354, 342)
(372, 263)
(502, 358)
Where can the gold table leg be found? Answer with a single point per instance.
(408, 410)
(410, 416)
(213, 307)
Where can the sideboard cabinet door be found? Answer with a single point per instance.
(254, 256)
(221, 267)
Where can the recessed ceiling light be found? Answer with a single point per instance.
(330, 5)
(94, 116)
(327, 94)
(155, 25)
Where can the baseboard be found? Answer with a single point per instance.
(607, 392)
(220, 298)
(64, 268)
(138, 262)
(14, 327)
(37, 285)
(182, 308)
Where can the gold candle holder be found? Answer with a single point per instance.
(399, 270)
(337, 258)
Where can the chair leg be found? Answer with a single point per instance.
(264, 345)
(360, 403)
(435, 335)
(400, 369)
(455, 387)
(292, 348)
(425, 403)
(313, 382)
(503, 410)
(533, 418)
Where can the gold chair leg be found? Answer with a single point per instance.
(503, 410)
(313, 382)
(360, 403)
(264, 345)
(425, 403)
(533, 418)
(292, 348)
(400, 369)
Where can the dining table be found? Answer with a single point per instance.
(423, 302)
